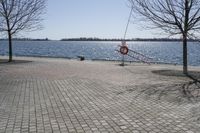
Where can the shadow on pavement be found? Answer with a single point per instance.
(190, 89)
(5, 61)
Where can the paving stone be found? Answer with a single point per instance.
(57, 95)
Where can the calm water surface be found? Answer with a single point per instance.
(168, 52)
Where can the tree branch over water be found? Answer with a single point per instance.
(175, 17)
(20, 15)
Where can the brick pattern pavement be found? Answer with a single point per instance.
(67, 96)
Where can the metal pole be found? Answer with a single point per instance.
(126, 32)
(129, 19)
(122, 60)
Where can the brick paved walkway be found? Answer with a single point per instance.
(57, 95)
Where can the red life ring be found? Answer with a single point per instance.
(124, 50)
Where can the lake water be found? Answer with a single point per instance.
(168, 52)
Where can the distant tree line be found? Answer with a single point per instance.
(119, 39)
(26, 39)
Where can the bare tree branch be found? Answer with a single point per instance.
(172, 16)
(20, 15)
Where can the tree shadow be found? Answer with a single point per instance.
(190, 89)
(181, 93)
(5, 61)
(177, 73)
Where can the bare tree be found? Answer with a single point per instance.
(20, 15)
(172, 16)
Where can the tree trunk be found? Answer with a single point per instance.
(10, 46)
(185, 34)
(185, 64)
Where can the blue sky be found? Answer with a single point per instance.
(88, 18)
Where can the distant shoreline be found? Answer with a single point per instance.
(99, 39)
(135, 39)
